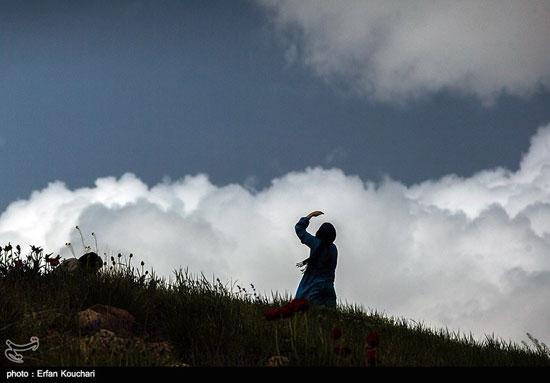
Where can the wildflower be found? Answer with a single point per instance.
(336, 333)
(286, 311)
(68, 244)
(272, 314)
(372, 357)
(53, 262)
(18, 262)
(373, 340)
(299, 304)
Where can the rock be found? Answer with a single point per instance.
(98, 317)
(277, 361)
(89, 262)
(105, 342)
(160, 348)
(70, 265)
(100, 340)
(108, 338)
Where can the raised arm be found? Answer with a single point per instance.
(306, 238)
(314, 214)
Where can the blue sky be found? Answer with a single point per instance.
(174, 88)
(421, 130)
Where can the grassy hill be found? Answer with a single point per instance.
(197, 322)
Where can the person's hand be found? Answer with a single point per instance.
(314, 214)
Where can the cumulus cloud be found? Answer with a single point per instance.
(393, 50)
(471, 254)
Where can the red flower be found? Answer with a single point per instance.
(286, 311)
(372, 357)
(299, 304)
(272, 314)
(18, 262)
(373, 340)
(53, 261)
(336, 333)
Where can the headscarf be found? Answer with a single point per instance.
(327, 234)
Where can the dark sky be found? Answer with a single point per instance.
(169, 88)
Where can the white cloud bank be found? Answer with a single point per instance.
(394, 50)
(472, 254)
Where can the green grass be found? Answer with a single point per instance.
(207, 323)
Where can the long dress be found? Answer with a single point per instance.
(317, 284)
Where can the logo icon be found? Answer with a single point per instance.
(12, 352)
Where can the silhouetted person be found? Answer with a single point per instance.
(317, 284)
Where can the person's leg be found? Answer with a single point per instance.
(326, 296)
